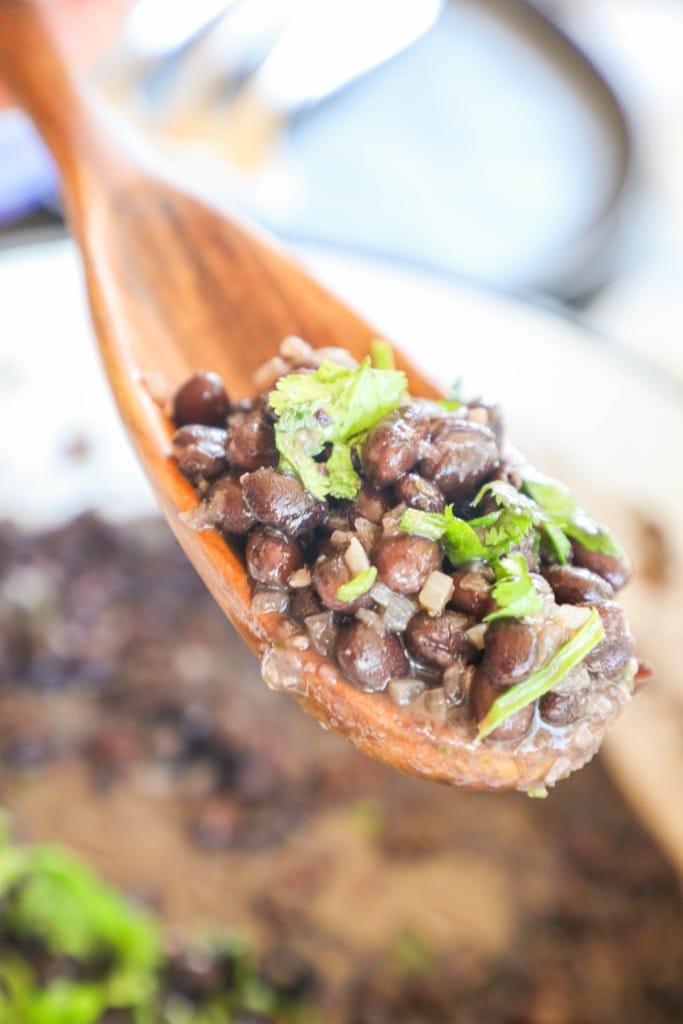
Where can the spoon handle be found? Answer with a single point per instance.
(70, 122)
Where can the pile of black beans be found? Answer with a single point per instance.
(297, 548)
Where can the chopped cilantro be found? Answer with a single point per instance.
(566, 515)
(514, 590)
(548, 676)
(332, 408)
(516, 516)
(461, 542)
(359, 585)
(382, 355)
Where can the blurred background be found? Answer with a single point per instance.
(499, 185)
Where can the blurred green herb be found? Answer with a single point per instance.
(382, 355)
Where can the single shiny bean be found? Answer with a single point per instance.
(573, 585)
(616, 570)
(460, 457)
(251, 441)
(200, 452)
(509, 652)
(471, 592)
(369, 657)
(392, 447)
(404, 561)
(226, 508)
(560, 708)
(201, 399)
(280, 499)
(419, 493)
(612, 654)
(272, 557)
(437, 641)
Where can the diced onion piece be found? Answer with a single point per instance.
(296, 349)
(355, 557)
(367, 532)
(321, 630)
(300, 578)
(477, 634)
(436, 592)
(399, 612)
(405, 691)
(265, 601)
(382, 594)
(266, 375)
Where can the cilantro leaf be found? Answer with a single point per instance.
(461, 542)
(382, 355)
(565, 514)
(514, 590)
(330, 407)
(517, 515)
(547, 676)
(359, 585)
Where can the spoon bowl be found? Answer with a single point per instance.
(177, 286)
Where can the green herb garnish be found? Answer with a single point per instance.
(454, 400)
(545, 678)
(331, 409)
(515, 517)
(461, 542)
(359, 585)
(514, 590)
(566, 517)
(382, 355)
(52, 900)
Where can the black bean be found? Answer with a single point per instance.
(369, 656)
(304, 602)
(482, 695)
(471, 592)
(251, 441)
(616, 570)
(460, 457)
(329, 573)
(272, 557)
(439, 640)
(392, 447)
(200, 452)
(560, 708)
(404, 561)
(371, 503)
(612, 654)
(509, 651)
(226, 508)
(572, 585)
(419, 493)
(201, 399)
(280, 499)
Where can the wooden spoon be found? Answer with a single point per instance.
(176, 286)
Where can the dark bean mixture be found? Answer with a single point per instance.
(419, 634)
(124, 698)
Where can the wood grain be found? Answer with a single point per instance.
(177, 286)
